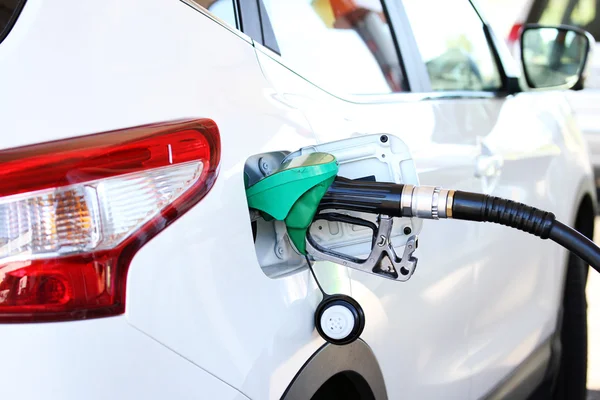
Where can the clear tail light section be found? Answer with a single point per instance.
(74, 212)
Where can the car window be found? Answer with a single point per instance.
(222, 9)
(344, 46)
(580, 13)
(453, 45)
(9, 11)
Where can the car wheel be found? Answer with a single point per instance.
(571, 379)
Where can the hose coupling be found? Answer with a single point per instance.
(430, 202)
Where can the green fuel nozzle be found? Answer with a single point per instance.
(304, 188)
(307, 184)
(292, 193)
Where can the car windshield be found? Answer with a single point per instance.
(580, 13)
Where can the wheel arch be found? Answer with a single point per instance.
(355, 361)
(586, 213)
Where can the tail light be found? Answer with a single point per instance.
(515, 32)
(74, 212)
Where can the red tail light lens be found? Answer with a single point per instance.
(74, 212)
(514, 34)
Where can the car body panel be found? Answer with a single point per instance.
(216, 308)
(518, 282)
(99, 359)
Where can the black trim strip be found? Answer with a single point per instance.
(268, 35)
(510, 85)
(249, 19)
(405, 81)
(13, 18)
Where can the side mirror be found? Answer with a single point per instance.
(555, 57)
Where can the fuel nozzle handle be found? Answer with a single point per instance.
(393, 199)
(430, 202)
(363, 196)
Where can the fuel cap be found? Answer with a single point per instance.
(339, 319)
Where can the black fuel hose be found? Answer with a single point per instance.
(484, 208)
(399, 200)
(480, 207)
(577, 243)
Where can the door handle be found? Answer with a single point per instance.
(488, 166)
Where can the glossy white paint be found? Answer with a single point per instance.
(99, 359)
(201, 317)
(586, 106)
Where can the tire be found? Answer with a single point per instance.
(571, 380)
(567, 375)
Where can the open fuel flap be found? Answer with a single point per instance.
(335, 235)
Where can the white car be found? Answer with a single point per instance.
(130, 268)
(586, 103)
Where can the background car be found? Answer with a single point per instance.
(128, 263)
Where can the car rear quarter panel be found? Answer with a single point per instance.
(71, 68)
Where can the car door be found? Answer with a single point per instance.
(466, 318)
(419, 329)
(517, 279)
